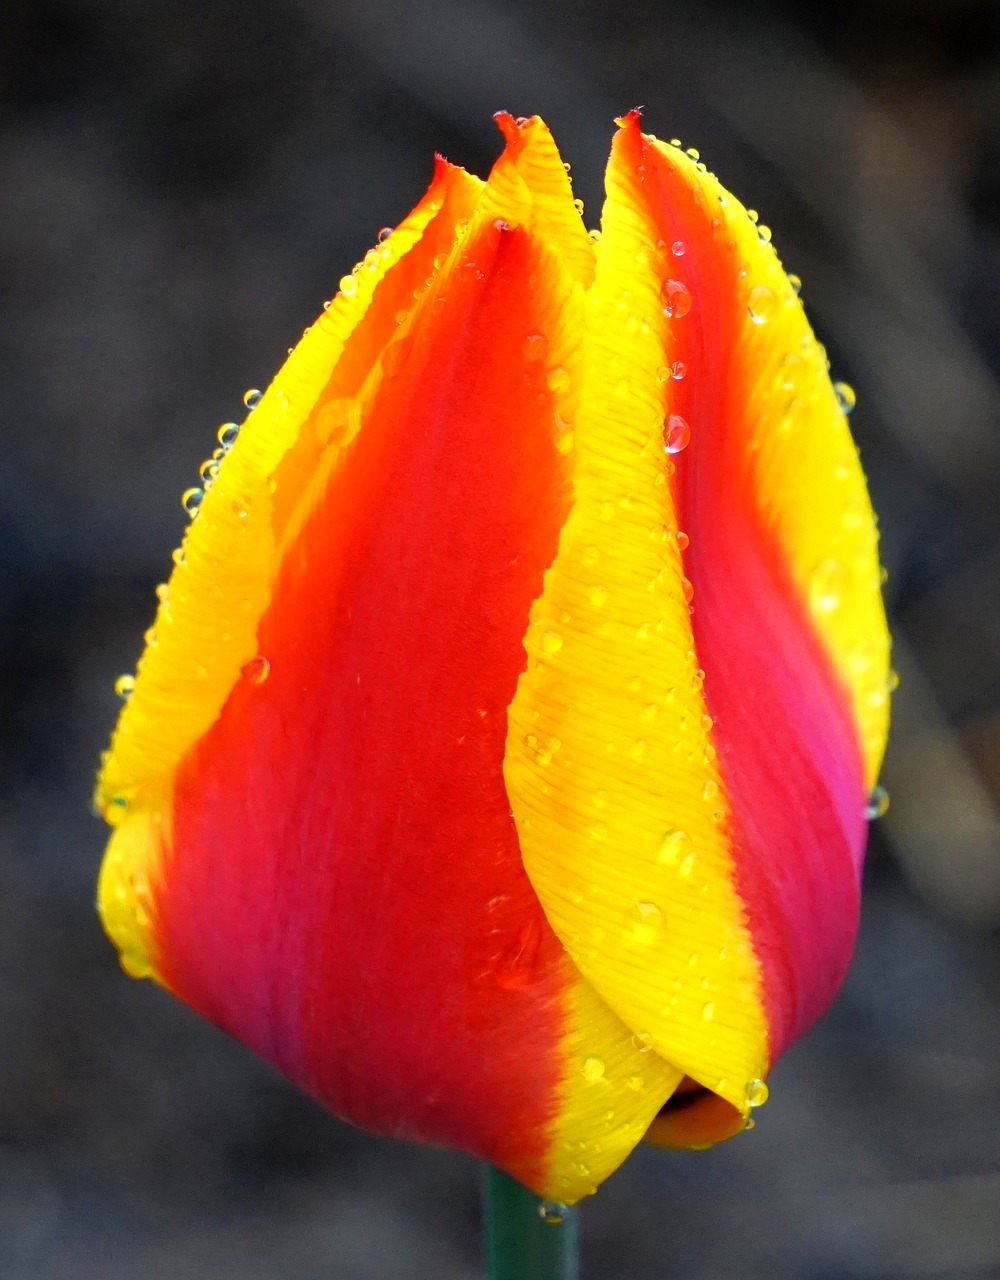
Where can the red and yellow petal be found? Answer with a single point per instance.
(432, 789)
(689, 787)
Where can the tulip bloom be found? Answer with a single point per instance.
(498, 761)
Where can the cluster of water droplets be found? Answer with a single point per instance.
(191, 499)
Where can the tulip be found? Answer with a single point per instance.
(497, 765)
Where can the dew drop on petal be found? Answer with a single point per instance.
(384, 234)
(251, 397)
(676, 299)
(256, 670)
(846, 396)
(827, 586)
(558, 380)
(762, 303)
(552, 641)
(878, 803)
(593, 1070)
(673, 846)
(757, 1093)
(677, 434)
(796, 283)
(552, 1212)
(191, 500)
(124, 686)
(647, 923)
(683, 541)
(536, 345)
(227, 434)
(677, 370)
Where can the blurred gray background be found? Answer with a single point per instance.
(181, 185)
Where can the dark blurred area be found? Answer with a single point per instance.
(181, 186)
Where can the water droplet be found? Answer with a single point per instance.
(791, 369)
(846, 396)
(208, 471)
(590, 555)
(251, 397)
(558, 380)
(677, 434)
(594, 236)
(892, 680)
(647, 923)
(124, 686)
(642, 1041)
(757, 1092)
(683, 541)
(598, 596)
(694, 153)
(762, 303)
(827, 586)
(764, 233)
(687, 864)
(384, 234)
(536, 346)
(676, 299)
(710, 790)
(878, 803)
(177, 555)
(673, 846)
(552, 641)
(552, 1212)
(517, 969)
(677, 370)
(678, 248)
(753, 215)
(687, 587)
(796, 283)
(676, 142)
(348, 286)
(227, 434)
(191, 500)
(635, 1083)
(593, 1070)
(256, 670)
(578, 206)
(239, 508)
(708, 1010)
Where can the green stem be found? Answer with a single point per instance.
(527, 1238)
